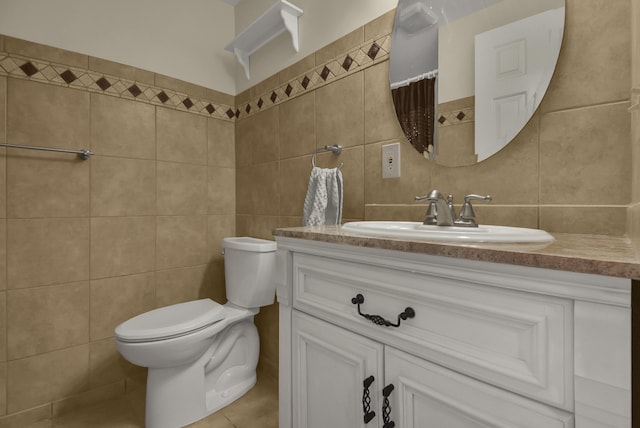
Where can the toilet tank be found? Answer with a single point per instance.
(249, 265)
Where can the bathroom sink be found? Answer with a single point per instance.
(418, 231)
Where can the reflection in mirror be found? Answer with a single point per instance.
(467, 75)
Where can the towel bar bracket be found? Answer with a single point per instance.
(336, 149)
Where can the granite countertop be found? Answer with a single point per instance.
(594, 254)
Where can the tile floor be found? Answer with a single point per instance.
(256, 409)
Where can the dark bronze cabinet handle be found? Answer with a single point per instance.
(366, 400)
(377, 319)
(386, 407)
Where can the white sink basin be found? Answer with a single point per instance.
(418, 231)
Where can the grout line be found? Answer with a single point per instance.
(539, 170)
(155, 217)
(5, 261)
(584, 107)
(89, 281)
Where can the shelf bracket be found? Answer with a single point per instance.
(243, 59)
(291, 24)
(282, 16)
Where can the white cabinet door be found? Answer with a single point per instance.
(329, 366)
(426, 395)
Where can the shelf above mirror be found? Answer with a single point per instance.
(282, 16)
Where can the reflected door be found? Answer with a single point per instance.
(510, 61)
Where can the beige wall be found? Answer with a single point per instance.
(85, 245)
(314, 32)
(634, 210)
(568, 171)
(191, 48)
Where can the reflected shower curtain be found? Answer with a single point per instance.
(415, 108)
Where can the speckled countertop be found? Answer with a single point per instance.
(595, 254)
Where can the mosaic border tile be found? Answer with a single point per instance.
(456, 117)
(357, 59)
(22, 67)
(354, 60)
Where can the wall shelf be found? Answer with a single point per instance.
(282, 16)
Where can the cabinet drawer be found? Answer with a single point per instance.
(516, 340)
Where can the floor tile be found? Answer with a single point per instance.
(257, 408)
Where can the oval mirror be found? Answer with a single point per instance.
(467, 75)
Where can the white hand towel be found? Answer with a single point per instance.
(323, 203)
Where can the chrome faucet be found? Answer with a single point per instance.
(440, 211)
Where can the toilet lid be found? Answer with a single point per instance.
(170, 321)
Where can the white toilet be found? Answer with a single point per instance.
(202, 355)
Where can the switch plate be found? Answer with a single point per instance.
(391, 160)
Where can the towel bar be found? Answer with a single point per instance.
(83, 154)
(336, 149)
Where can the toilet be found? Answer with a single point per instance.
(202, 355)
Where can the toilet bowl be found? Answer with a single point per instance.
(202, 355)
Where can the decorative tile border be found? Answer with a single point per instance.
(22, 67)
(369, 53)
(456, 117)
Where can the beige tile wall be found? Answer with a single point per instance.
(85, 245)
(569, 170)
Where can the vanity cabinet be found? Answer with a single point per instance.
(483, 344)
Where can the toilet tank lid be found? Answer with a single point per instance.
(170, 321)
(247, 243)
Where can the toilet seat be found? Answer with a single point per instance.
(170, 321)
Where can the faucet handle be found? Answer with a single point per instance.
(432, 211)
(467, 215)
(477, 197)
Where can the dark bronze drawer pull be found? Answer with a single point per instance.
(377, 319)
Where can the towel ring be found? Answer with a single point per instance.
(336, 149)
